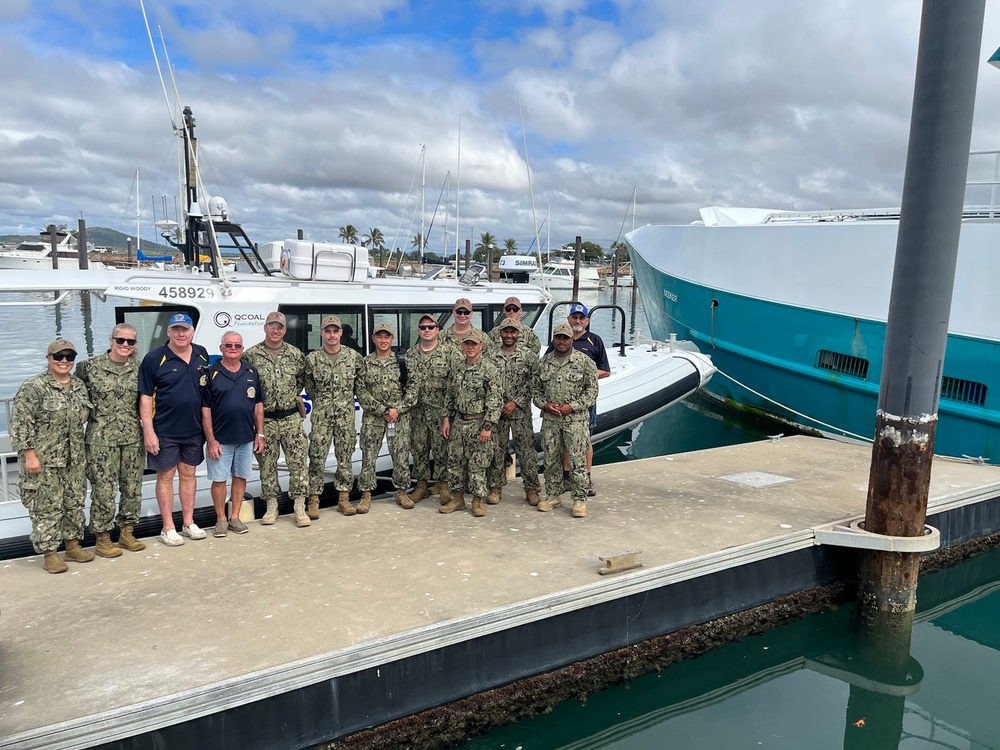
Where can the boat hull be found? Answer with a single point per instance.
(802, 356)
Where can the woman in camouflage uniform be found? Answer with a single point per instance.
(46, 430)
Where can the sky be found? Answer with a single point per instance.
(312, 114)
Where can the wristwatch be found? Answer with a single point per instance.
(488, 426)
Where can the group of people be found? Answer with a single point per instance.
(452, 402)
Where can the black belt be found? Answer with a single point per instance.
(473, 416)
(281, 413)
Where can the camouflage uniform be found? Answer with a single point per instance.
(518, 374)
(115, 453)
(432, 371)
(379, 389)
(526, 339)
(449, 336)
(50, 419)
(475, 394)
(282, 383)
(331, 386)
(573, 382)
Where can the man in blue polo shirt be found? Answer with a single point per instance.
(232, 416)
(170, 381)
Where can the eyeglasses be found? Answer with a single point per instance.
(60, 356)
(511, 308)
(121, 341)
(230, 345)
(463, 311)
(427, 327)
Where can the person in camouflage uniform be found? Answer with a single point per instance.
(47, 431)
(282, 371)
(430, 363)
(527, 338)
(462, 312)
(115, 454)
(565, 390)
(475, 404)
(518, 367)
(386, 401)
(331, 377)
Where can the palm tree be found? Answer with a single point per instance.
(349, 234)
(510, 246)
(486, 241)
(619, 247)
(374, 240)
(419, 242)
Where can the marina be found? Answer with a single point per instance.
(354, 623)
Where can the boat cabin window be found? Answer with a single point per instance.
(448, 318)
(303, 325)
(150, 325)
(404, 324)
(530, 313)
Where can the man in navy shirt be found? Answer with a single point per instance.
(170, 380)
(232, 416)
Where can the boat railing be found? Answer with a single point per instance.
(613, 308)
(7, 459)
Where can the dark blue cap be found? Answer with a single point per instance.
(180, 319)
(579, 308)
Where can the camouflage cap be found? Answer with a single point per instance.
(473, 335)
(510, 323)
(330, 320)
(512, 301)
(382, 328)
(563, 329)
(427, 316)
(60, 345)
(463, 302)
(275, 317)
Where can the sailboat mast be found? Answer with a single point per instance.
(138, 241)
(423, 184)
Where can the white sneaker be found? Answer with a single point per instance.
(171, 538)
(193, 532)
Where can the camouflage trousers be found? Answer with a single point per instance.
(524, 448)
(283, 435)
(373, 429)
(112, 469)
(573, 436)
(468, 459)
(54, 499)
(332, 426)
(426, 440)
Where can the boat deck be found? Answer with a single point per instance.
(356, 621)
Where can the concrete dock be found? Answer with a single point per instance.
(286, 637)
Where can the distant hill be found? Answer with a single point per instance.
(99, 237)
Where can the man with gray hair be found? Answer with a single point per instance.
(232, 416)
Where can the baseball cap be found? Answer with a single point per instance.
(564, 329)
(180, 319)
(275, 317)
(579, 308)
(330, 320)
(512, 301)
(380, 327)
(509, 323)
(427, 316)
(473, 335)
(60, 345)
(462, 302)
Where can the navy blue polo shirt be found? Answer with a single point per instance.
(175, 386)
(593, 346)
(232, 397)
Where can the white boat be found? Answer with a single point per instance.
(37, 254)
(558, 274)
(792, 306)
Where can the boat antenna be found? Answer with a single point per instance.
(156, 60)
(458, 193)
(531, 192)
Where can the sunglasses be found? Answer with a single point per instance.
(426, 327)
(230, 345)
(125, 342)
(60, 356)
(463, 311)
(511, 308)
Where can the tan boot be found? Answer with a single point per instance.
(344, 504)
(579, 509)
(403, 500)
(457, 502)
(104, 547)
(435, 489)
(421, 492)
(366, 502)
(312, 507)
(299, 509)
(445, 493)
(532, 497)
(127, 540)
(494, 497)
(477, 507)
(53, 564)
(549, 503)
(76, 553)
(271, 514)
